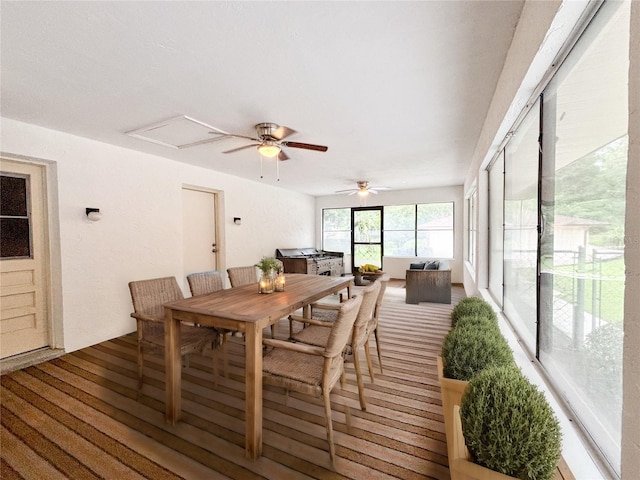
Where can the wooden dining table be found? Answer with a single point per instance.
(245, 310)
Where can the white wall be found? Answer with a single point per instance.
(403, 197)
(140, 234)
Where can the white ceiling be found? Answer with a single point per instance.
(398, 91)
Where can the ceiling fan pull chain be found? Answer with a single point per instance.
(277, 169)
(260, 165)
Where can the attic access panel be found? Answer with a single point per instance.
(179, 132)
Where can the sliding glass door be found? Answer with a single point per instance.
(366, 247)
(582, 242)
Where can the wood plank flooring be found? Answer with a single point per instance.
(77, 416)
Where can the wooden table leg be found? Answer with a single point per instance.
(253, 374)
(173, 366)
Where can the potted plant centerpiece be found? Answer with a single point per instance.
(269, 267)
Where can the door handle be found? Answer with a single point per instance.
(214, 248)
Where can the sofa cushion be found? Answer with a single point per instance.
(417, 266)
(432, 265)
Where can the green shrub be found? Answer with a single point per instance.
(479, 321)
(509, 426)
(469, 348)
(472, 306)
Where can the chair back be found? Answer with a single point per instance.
(384, 281)
(365, 314)
(202, 283)
(149, 296)
(342, 327)
(239, 276)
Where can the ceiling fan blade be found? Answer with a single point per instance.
(283, 156)
(242, 148)
(306, 146)
(282, 132)
(371, 190)
(348, 190)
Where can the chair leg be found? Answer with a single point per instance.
(356, 363)
(327, 414)
(140, 368)
(367, 353)
(214, 354)
(225, 354)
(375, 332)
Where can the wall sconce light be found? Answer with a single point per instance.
(93, 214)
(237, 220)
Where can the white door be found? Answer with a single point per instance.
(24, 323)
(199, 231)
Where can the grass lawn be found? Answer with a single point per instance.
(608, 281)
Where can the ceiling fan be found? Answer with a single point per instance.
(363, 189)
(269, 141)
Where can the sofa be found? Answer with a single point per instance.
(428, 281)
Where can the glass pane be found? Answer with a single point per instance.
(435, 215)
(399, 217)
(13, 196)
(435, 244)
(367, 254)
(336, 219)
(337, 242)
(366, 226)
(400, 244)
(582, 256)
(14, 237)
(521, 227)
(496, 253)
(336, 230)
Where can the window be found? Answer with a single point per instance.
(400, 230)
(584, 162)
(521, 227)
(15, 224)
(422, 230)
(472, 229)
(496, 232)
(562, 227)
(434, 230)
(336, 230)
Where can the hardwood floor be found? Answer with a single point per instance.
(77, 416)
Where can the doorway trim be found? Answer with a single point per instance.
(51, 229)
(354, 211)
(219, 222)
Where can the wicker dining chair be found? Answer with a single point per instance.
(239, 276)
(201, 283)
(310, 369)
(149, 297)
(317, 333)
(373, 327)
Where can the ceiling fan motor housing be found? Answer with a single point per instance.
(266, 131)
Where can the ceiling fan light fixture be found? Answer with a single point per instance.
(269, 149)
(363, 192)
